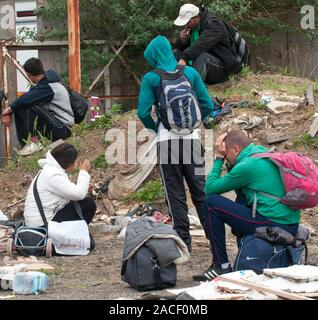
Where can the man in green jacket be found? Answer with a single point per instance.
(180, 157)
(248, 176)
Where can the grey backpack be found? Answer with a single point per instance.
(176, 102)
(143, 271)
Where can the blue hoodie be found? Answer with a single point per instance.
(41, 92)
(160, 56)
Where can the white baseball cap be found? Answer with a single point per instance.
(187, 11)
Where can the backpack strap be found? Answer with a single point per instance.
(38, 201)
(165, 75)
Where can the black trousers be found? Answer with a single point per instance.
(34, 120)
(68, 213)
(179, 160)
(210, 68)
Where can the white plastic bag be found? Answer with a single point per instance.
(70, 237)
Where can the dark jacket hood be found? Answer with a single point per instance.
(52, 76)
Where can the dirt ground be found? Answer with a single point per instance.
(97, 276)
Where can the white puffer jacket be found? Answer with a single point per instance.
(55, 191)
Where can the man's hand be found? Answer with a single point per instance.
(85, 165)
(185, 34)
(182, 62)
(220, 146)
(6, 117)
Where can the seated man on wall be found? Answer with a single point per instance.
(205, 44)
(250, 177)
(45, 109)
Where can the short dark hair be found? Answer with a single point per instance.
(237, 137)
(65, 154)
(34, 66)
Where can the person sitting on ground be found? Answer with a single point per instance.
(57, 192)
(45, 109)
(248, 176)
(205, 44)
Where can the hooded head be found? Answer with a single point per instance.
(159, 54)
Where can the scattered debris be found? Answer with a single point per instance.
(262, 288)
(31, 263)
(314, 127)
(278, 107)
(96, 228)
(282, 124)
(122, 212)
(3, 217)
(110, 209)
(310, 96)
(276, 137)
(304, 273)
(129, 181)
(252, 123)
(7, 297)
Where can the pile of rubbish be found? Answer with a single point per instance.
(297, 282)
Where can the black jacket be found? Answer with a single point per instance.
(41, 92)
(213, 39)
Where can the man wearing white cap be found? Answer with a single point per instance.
(204, 43)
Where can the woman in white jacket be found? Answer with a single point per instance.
(56, 190)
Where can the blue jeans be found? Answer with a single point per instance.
(220, 211)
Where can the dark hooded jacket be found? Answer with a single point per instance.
(51, 95)
(214, 39)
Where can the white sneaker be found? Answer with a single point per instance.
(31, 148)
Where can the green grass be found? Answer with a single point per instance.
(307, 141)
(316, 87)
(150, 192)
(104, 122)
(116, 108)
(284, 71)
(260, 106)
(30, 163)
(242, 85)
(100, 162)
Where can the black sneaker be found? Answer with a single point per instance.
(211, 273)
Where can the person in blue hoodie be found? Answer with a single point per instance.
(45, 109)
(176, 149)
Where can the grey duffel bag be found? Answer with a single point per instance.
(143, 272)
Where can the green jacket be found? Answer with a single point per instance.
(249, 174)
(159, 55)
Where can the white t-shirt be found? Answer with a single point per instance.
(164, 135)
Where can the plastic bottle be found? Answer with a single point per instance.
(29, 282)
(7, 274)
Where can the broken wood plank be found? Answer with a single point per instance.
(27, 260)
(124, 63)
(112, 59)
(314, 127)
(262, 288)
(310, 96)
(44, 267)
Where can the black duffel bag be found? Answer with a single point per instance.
(143, 272)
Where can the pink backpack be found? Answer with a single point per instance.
(300, 178)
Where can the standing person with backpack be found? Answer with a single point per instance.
(181, 101)
(45, 109)
(207, 43)
(264, 198)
